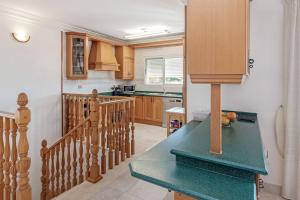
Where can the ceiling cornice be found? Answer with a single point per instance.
(26, 17)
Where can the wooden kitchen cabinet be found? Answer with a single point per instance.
(139, 108)
(125, 57)
(157, 105)
(76, 56)
(217, 40)
(149, 110)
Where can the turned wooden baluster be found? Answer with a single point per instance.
(127, 129)
(52, 178)
(14, 156)
(94, 116)
(81, 138)
(110, 136)
(57, 148)
(120, 128)
(7, 162)
(1, 160)
(45, 175)
(77, 111)
(66, 113)
(123, 127)
(87, 149)
(74, 164)
(116, 134)
(70, 113)
(74, 112)
(63, 170)
(68, 162)
(132, 109)
(103, 140)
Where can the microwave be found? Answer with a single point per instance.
(128, 88)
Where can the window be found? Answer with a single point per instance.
(160, 71)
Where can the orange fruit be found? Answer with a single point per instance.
(231, 116)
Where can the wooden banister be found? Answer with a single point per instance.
(91, 122)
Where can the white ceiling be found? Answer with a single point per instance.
(111, 17)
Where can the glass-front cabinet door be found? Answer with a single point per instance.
(77, 56)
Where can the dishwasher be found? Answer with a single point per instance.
(169, 103)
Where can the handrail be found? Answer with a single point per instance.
(7, 114)
(67, 134)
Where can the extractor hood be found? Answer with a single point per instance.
(102, 57)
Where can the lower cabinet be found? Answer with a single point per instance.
(149, 110)
(139, 108)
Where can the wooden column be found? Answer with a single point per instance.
(94, 114)
(215, 120)
(22, 117)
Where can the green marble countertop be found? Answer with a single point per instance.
(149, 93)
(242, 146)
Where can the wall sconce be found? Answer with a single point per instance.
(21, 36)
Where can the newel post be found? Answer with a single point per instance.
(22, 117)
(94, 115)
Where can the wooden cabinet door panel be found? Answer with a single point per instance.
(139, 107)
(148, 108)
(157, 109)
(217, 38)
(130, 68)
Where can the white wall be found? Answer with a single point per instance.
(142, 54)
(33, 68)
(102, 81)
(262, 92)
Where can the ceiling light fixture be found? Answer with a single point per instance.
(21, 36)
(146, 32)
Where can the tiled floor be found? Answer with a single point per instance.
(118, 184)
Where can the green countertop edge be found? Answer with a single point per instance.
(160, 152)
(169, 186)
(215, 160)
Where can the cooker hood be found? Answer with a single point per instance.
(102, 57)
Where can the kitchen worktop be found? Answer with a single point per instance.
(182, 162)
(148, 93)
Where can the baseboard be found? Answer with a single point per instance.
(271, 188)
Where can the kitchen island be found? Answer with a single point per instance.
(183, 163)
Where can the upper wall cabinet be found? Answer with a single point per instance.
(217, 40)
(77, 56)
(125, 57)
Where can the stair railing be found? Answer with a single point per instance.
(98, 127)
(14, 160)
